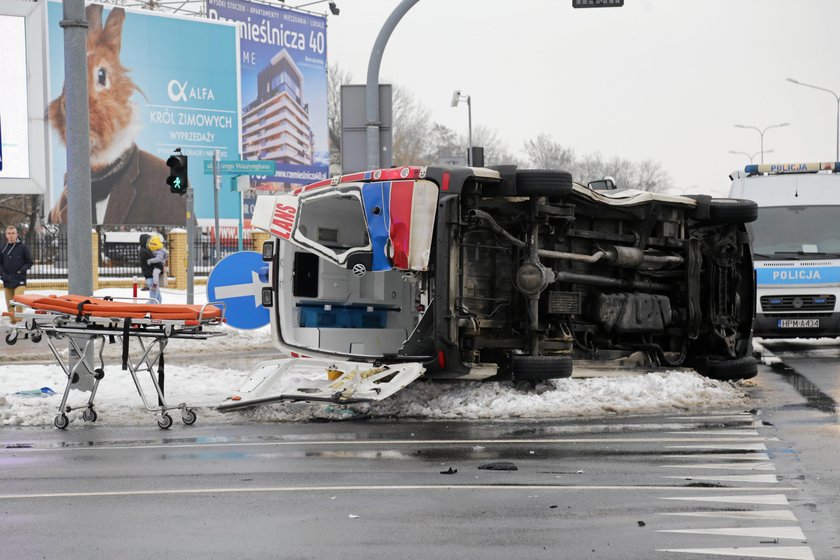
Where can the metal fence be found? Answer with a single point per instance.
(119, 250)
(205, 247)
(49, 254)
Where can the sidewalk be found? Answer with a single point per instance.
(24, 350)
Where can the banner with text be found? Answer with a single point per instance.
(155, 83)
(283, 61)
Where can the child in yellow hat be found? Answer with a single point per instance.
(158, 262)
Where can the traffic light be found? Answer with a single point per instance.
(177, 179)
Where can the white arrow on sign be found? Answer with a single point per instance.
(239, 290)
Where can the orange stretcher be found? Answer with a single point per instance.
(88, 322)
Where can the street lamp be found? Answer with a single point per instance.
(751, 156)
(837, 97)
(334, 10)
(761, 133)
(457, 97)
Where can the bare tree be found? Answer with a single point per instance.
(545, 153)
(646, 175)
(496, 151)
(649, 176)
(21, 210)
(336, 77)
(443, 143)
(416, 139)
(412, 128)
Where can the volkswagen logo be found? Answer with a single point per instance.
(359, 270)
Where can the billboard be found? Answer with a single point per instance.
(22, 128)
(155, 83)
(283, 60)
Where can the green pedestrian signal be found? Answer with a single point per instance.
(177, 179)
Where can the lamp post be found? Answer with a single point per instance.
(457, 97)
(333, 8)
(837, 97)
(750, 156)
(761, 132)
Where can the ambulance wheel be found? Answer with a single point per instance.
(188, 417)
(733, 210)
(540, 368)
(543, 182)
(89, 415)
(61, 421)
(728, 210)
(731, 370)
(165, 422)
(36, 337)
(11, 337)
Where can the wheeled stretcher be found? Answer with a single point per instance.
(87, 323)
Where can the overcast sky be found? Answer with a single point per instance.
(660, 79)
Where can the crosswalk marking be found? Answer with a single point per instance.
(762, 478)
(763, 514)
(742, 466)
(729, 446)
(764, 532)
(717, 432)
(754, 458)
(767, 499)
(740, 416)
(728, 456)
(780, 552)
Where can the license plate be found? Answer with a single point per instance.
(799, 323)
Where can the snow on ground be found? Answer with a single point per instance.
(202, 386)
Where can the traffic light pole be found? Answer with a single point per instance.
(190, 244)
(79, 209)
(217, 185)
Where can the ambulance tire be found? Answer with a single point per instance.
(731, 370)
(552, 183)
(727, 210)
(540, 368)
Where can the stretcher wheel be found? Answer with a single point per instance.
(89, 415)
(61, 421)
(98, 373)
(11, 337)
(36, 337)
(188, 417)
(168, 330)
(165, 421)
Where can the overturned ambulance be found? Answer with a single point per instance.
(383, 276)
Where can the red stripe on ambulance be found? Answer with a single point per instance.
(283, 220)
(402, 193)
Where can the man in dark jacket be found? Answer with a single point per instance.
(143, 260)
(15, 261)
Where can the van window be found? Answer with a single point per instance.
(796, 229)
(342, 214)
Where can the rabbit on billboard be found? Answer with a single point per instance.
(127, 183)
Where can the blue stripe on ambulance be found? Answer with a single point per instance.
(378, 195)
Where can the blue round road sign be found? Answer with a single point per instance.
(236, 281)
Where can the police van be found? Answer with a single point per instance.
(796, 246)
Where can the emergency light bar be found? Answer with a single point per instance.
(812, 167)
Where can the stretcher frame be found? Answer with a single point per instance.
(85, 332)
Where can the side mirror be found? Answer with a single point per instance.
(268, 250)
(606, 184)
